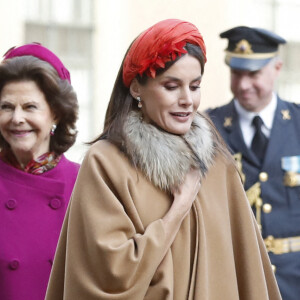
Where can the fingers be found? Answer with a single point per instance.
(192, 180)
(186, 193)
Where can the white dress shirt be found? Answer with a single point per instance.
(246, 117)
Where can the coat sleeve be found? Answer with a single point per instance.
(101, 254)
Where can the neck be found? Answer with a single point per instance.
(23, 158)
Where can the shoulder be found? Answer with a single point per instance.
(66, 172)
(105, 156)
(70, 164)
(66, 168)
(218, 114)
(103, 150)
(288, 112)
(105, 166)
(291, 105)
(220, 110)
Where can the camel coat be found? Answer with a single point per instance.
(111, 242)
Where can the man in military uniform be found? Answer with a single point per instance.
(263, 132)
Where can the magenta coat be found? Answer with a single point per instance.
(32, 208)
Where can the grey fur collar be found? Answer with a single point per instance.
(165, 158)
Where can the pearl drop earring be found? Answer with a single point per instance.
(140, 105)
(52, 129)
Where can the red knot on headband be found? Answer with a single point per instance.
(38, 51)
(157, 45)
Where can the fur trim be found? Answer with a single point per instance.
(166, 158)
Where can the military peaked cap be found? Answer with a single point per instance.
(249, 48)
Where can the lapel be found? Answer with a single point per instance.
(279, 133)
(235, 136)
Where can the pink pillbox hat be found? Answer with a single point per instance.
(41, 52)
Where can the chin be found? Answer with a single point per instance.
(179, 131)
(22, 148)
(247, 104)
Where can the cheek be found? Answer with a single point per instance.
(234, 83)
(4, 119)
(156, 104)
(197, 101)
(269, 83)
(262, 86)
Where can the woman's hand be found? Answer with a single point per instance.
(184, 197)
(186, 193)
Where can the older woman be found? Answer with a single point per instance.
(158, 211)
(38, 111)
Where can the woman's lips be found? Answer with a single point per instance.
(181, 116)
(20, 133)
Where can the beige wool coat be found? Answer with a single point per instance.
(111, 244)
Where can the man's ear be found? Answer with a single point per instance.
(135, 88)
(278, 66)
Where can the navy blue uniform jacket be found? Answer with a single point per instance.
(284, 219)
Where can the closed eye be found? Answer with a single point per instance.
(194, 87)
(6, 106)
(30, 106)
(171, 87)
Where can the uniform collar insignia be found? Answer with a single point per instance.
(227, 122)
(285, 114)
(243, 47)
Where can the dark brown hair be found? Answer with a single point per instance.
(59, 94)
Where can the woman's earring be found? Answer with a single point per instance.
(52, 129)
(138, 98)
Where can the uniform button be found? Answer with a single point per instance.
(14, 264)
(267, 208)
(55, 203)
(11, 204)
(263, 176)
(273, 268)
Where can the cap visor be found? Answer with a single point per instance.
(247, 64)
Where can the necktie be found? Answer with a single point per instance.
(260, 141)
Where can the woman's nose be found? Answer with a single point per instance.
(186, 97)
(18, 115)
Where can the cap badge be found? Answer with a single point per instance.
(285, 114)
(227, 122)
(243, 47)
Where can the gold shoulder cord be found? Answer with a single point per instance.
(238, 159)
(253, 195)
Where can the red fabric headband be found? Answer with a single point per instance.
(41, 52)
(157, 45)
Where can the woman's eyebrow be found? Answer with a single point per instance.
(177, 79)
